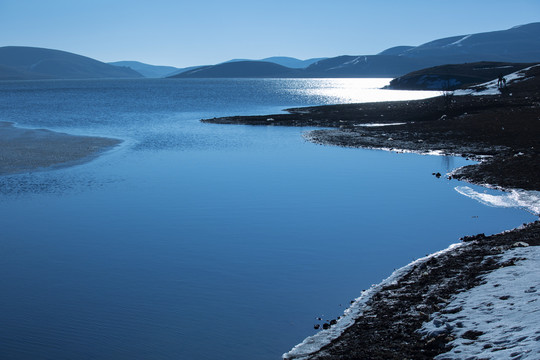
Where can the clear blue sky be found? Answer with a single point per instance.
(180, 33)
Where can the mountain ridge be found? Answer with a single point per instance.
(519, 44)
(147, 70)
(25, 63)
(160, 71)
(241, 69)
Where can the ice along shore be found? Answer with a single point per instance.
(413, 314)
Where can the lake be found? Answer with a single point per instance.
(202, 241)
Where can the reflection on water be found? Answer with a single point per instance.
(357, 90)
(448, 163)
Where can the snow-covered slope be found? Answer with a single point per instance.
(499, 319)
(492, 87)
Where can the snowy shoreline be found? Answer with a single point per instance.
(499, 317)
(316, 342)
(477, 321)
(498, 126)
(456, 318)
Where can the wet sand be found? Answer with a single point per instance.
(25, 150)
(501, 131)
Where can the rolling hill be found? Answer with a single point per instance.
(25, 63)
(286, 61)
(147, 70)
(364, 66)
(242, 69)
(156, 71)
(451, 77)
(520, 44)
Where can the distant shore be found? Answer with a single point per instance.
(25, 150)
(501, 131)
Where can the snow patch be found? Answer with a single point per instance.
(498, 319)
(316, 342)
(495, 67)
(491, 87)
(354, 61)
(459, 42)
(528, 200)
(379, 124)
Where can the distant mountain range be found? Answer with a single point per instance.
(146, 70)
(154, 71)
(24, 63)
(242, 69)
(520, 44)
(286, 61)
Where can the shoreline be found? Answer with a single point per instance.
(387, 318)
(502, 132)
(25, 150)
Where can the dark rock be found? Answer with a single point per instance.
(472, 334)
(473, 237)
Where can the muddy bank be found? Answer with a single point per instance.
(25, 150)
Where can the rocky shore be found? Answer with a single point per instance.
(502, 132)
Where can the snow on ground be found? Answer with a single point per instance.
(498, 319)
(488, 88)
(491, 87)
(459, 42)
(528, 200)
(380, 124)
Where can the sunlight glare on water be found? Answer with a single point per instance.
(357, 90)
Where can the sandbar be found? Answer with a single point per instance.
(26, 150)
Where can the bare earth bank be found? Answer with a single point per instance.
(25, 150)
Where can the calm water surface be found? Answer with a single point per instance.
(199, 241)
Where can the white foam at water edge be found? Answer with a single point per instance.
(529, 200)
(316, 342)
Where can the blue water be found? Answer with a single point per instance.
(200, 241)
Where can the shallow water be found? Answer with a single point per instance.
(200, 241)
